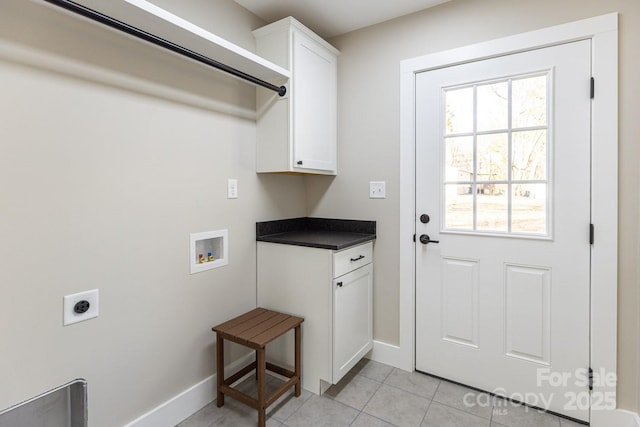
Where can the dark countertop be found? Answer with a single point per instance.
(321, 233)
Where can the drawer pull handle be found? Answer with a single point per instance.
(339, 284)
(357, 259)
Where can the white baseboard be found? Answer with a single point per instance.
(189, 401)
(386, 353)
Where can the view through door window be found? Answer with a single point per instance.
(496, 162)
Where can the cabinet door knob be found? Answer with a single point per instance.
(299, 162)
(339, 284)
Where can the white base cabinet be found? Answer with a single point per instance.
(298, 132)
(352, 328)
(332, 290)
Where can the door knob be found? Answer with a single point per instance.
(424, 218)
(425, 239)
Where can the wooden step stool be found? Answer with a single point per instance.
(255, 330)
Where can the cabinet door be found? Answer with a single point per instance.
(352, 319)
(314, 108)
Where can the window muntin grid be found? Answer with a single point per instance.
(497, 145)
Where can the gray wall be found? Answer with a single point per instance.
(368, 147)
(100, 188)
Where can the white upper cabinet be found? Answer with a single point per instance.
(298, 132)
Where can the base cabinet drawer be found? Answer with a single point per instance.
(349, 259)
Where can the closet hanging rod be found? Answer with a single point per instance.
(136, 32)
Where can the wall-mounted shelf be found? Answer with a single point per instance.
(163, 24)
(209, 249)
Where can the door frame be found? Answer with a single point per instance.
(603, 32)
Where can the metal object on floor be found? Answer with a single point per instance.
(64, 406)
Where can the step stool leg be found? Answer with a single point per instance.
(261, 369)
(220, 368)
(257, 364)
(297, 361)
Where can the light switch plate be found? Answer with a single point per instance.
(232, 188)
(377, 190)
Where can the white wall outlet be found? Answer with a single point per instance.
(377, 190)
(232, 188)
(81, 306)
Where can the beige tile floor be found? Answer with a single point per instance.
(377, 395)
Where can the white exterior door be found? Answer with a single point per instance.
(503, 173)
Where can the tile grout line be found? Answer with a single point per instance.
(411, 393)
(296, 410)
(462, 410)
(493, 408)
(361, 411)
(405, 391)
(431, 402)
(368, 400)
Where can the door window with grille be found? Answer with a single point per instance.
(496, 156)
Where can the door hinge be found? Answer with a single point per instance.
(590, 379)
(593, 88)
(592, 233)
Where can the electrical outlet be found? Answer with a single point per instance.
(81, 306)
(377, 190)
(232, 188)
